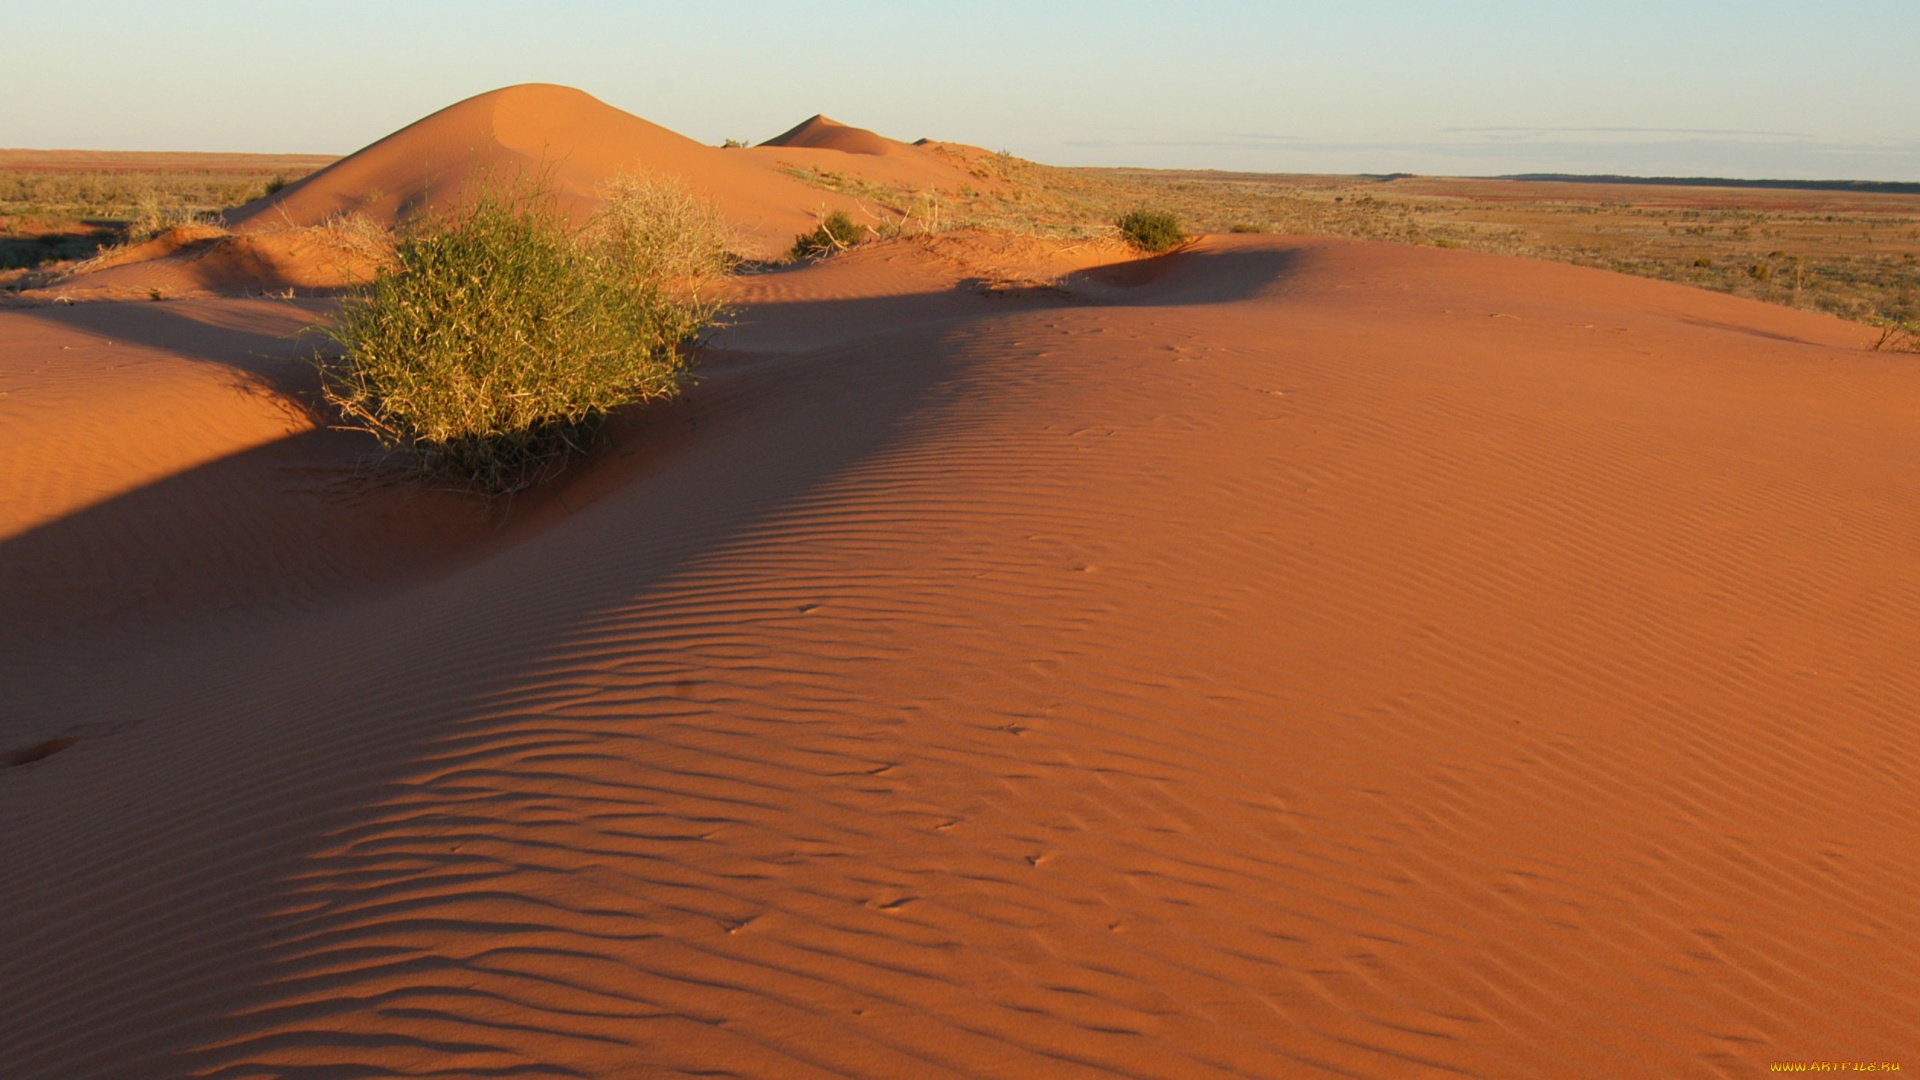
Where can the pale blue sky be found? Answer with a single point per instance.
(1751, 88)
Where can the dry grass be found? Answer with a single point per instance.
(60, 206)
(1852, 254)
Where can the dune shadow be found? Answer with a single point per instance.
(278, 625)
(1219, 274)
(265, 343)
(1751, 331)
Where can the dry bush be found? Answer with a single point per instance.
(1897, 335)
(836, 232)
(500, 337)
(659, 231)
(1152, 231)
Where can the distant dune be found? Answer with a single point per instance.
(1288, 657)
(820, 133)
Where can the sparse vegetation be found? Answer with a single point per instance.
(1152, 231)
(51, 213)
(1852, 254)
(154, 216)
(1897, 335)
(502, 337)
(837, 231)
(50, 196)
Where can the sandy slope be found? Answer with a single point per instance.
(1286, 658)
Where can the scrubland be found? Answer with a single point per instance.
(1852, 254)
(1849, 253)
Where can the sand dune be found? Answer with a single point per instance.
(576, 141)
(819, 133)
(521, 130)
(1285, 658)
(828, 146)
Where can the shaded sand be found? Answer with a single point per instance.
(1286, 658)
(99, 402)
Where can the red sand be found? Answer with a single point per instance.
(1285, 658)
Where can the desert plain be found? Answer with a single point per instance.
(1349, 645)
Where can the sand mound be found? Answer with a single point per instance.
(1285, 658)
(518, 131)
(827, 146)
(206, 261)
(820, 133)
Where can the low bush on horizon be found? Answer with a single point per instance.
(501, 337)
(1152, 231)
(837, 232)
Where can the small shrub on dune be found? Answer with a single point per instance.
(1152, 231)
(662, 236)
(837, 232)
(500, 337)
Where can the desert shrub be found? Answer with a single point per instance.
(1896, 334)
(1244, 227)
(276, 185)
(1152, 231)
(836, 232)
(660, 234)
(499, 337)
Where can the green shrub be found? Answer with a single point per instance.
(1244, 227)
(837, 232)
(500, 337)
(1152, 231)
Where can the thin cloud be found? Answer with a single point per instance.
(1515, 129)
